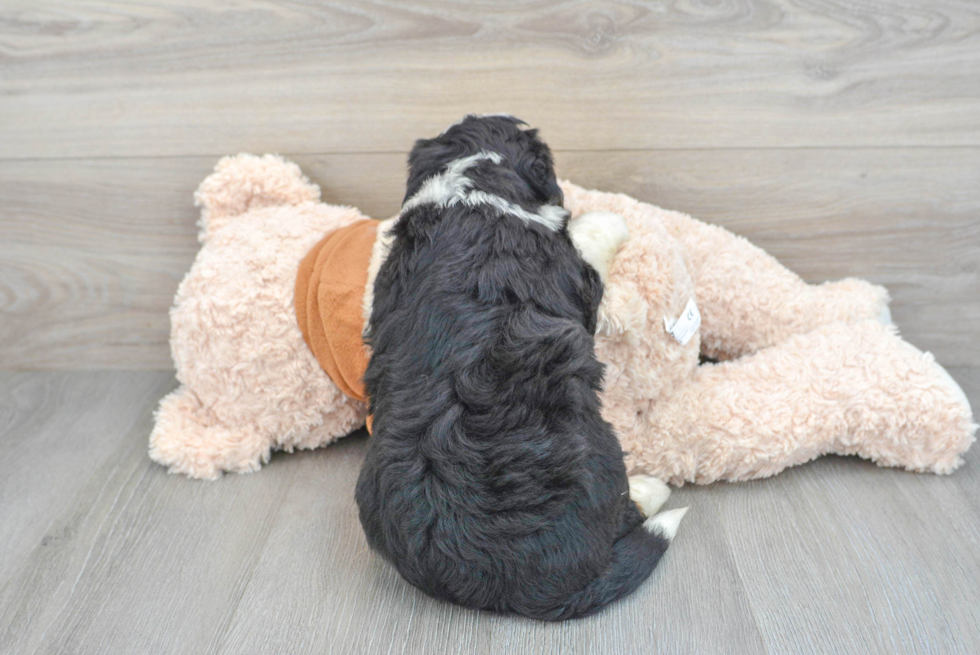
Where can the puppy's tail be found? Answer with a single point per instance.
(634, 557)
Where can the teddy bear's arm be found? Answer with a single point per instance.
(749, 301)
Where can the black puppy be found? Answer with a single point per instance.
(491, 479)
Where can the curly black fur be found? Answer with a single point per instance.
(491, 479)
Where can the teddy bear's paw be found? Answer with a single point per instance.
(927, 418)
(173, 451)
(649, 493)
(597, 236)
(666, 523)
(957, 402)
(885, 315)
(205, 453)
(189, 441)
(954, 389)
(851, 299)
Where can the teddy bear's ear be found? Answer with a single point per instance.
(243, 182)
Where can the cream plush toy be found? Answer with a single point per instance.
(801, 370)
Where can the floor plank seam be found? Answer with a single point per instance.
(220, 637)
(738, 570)
(654, 149)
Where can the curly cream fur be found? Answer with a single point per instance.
(808, 370)
(249, 384)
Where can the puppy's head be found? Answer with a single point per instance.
(524, 174)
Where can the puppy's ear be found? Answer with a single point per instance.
(591, 296)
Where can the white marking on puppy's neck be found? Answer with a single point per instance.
(449, 187)
(452, 187)
(551, 216)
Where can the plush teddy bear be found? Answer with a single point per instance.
(721, 364)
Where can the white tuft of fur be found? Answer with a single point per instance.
(649, 493)
(551, 216)
(597, 236)
(452, 187)
(665, 523)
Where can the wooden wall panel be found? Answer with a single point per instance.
(93, 250)
(89, 78)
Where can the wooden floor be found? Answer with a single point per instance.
(843, 137)
(106, 553)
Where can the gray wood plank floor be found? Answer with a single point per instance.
(103, 552)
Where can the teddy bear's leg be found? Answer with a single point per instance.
(845, 388)
(189, 441)
(749, 301)
(243, 182)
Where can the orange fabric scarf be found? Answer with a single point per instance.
(329, 300)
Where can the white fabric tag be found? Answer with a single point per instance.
(684, 327)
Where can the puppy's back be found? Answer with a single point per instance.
(492, 480)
